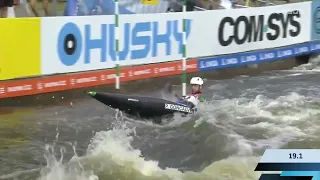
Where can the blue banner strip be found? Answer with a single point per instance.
(220, 62)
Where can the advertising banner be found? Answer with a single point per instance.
(249, 29)
(74, 44)
(315, 23)
(19, 48)
(209, 64)
(88, 79)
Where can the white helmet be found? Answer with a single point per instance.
(196, 80)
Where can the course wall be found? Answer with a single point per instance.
(143, 86)
(63, 53)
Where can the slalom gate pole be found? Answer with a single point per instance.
(116, 25)
(184, 50)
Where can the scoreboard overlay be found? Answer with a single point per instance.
(294, 164)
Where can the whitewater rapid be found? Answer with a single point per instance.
(224, 140)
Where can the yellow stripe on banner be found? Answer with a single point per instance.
(150, 2)
(19, 47)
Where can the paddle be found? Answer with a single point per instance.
(168, 89)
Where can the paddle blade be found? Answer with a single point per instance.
(168, 88)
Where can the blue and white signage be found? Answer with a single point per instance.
(208, 64)
(83, 43)
(315, 22)
(88, 43)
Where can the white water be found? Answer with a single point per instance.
(250, 126)
(111, 156)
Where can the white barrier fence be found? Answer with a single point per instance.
(73, 44)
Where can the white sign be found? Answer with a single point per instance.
(177, 108)
(83, 43)
(261, 28)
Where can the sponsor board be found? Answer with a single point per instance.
(315, 23)
(258, 57)
(88, 79)
(17, 88)
(158, 70)
(256, 28)
(261, 28)
(177, 107)
(84, 43)
(19, 48)
(88, 42)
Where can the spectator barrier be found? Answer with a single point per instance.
(71, 49)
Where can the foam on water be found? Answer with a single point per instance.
(313, 64)
(111, 156)
(246, 124)
(279, 120)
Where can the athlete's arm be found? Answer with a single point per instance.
(202, 98)
(177, 96)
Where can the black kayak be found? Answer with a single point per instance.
(139, 106)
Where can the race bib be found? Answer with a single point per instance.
(177, 108)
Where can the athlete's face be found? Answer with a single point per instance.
(195, 88)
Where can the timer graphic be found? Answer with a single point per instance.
(294, 164)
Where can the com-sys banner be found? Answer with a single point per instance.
(73, 44)
(264, 27)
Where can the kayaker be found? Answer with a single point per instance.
(193, 99)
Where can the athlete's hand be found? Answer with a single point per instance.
(186, 97)
(191, 99)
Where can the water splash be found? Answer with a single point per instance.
(313, 64)
(247, 126)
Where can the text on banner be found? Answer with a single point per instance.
(88, 79)
(257, 57)
(139, 40)
(259, 27)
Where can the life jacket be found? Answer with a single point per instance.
(196, 95)
(193, 104)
